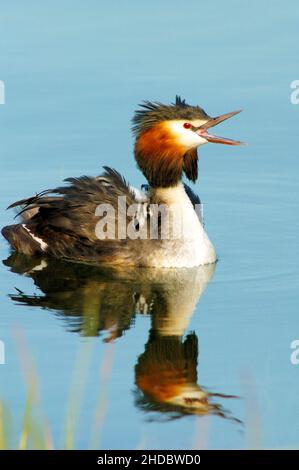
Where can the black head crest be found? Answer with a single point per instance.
(153, 112)
(179, 101)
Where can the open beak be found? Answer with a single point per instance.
(203, 130)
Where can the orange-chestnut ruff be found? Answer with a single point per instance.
(162, 159)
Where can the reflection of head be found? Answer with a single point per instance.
(166, 377)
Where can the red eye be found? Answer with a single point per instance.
(187, 125)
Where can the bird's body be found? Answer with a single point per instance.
(193, 247)
(104, 220)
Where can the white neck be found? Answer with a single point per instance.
(170, 195)
(192, 247)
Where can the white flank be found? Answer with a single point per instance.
(140, 196)
(39, 267)
(42, 244)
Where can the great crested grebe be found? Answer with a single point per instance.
(65, 222)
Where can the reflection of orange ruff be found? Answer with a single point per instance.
(161, 384)
(172, 384)
(175, 388)
(166, 374)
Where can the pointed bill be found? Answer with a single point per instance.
(202, 130)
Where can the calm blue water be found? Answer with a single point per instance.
(74, 74)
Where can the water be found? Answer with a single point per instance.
(73, 75)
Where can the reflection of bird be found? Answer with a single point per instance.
(104, 299)
(92, 300)
(96, 300)
(161, 228)
(166, 374)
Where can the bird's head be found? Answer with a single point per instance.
(167, 137)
